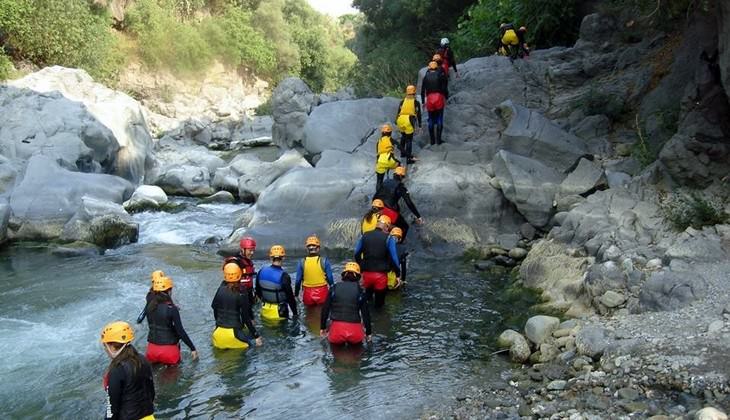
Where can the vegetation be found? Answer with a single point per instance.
(691, 209)
(6, 66)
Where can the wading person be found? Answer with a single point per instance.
(231, 310)
(347, 308)
(273, 287)
(165, 327)
(376, 254)
(314, 274)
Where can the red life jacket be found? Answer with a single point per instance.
(435, 101)
(443, 52)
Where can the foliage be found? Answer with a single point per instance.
(684, 210)
(388, 70)
(6, 66)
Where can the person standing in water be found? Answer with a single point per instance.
(245, 262)
(128, 379)
(314, 274)
(347, 307)
(231, 310)
(155, 275)
(166, 329)
(273, 287)
(376, 253)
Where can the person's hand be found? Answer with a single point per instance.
(323, 333)
(419, 221)
(194, 354)
(259, 342)
(369, 338)
(398, 282)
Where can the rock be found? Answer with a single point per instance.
(715, 327)
(221, 197)
(561, 332)
(185, 180)
(517, 253)
(586, 177)
(566, 203)
(612, 299)
(528, 184)
(592, 127)
(76, 249)
(171, 154)
(102, 223)
(592, 341)
(151, 192)
(701, 247)
(612, 253)
(255, 177)
(291, 101)
(617, 179)
(539, 328)
(80, 117)
(669, 290)
(597, 28)
(724, 44)
(629, 394)
(548, 352)
(533, 136)
(601, 278)
(117, 8)
(654, 264)
(4, 218)
(528, 231)
(710, 413)
(557, 385)
(504, 261)
(519, 348)
(484, 265)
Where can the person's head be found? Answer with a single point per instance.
(312, 243)
(384, 223)
(399, 173)
(162, 285)
(410, 90)
(375, 208)
(444, 42)
(248, 246)
(502, 25)
(351, 272)
(386, 130)
(232, 273)
(432, 66)
(277, 254)
(156, 275)
(115, 337)
(397, 233)
(437, 58)
(523, 29)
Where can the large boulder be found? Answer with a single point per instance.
(585, 178)
(292, 101)
(698, 246)
(185, 180)
(4, 218)
(129, 144)
(669, 290)
(146, 197)
(49, 196)
(592, 341)
(255, 177)
(539, 328)
(8, 174)
(528, 184)
(171, 154)
(102, 223)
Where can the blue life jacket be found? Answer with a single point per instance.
(272, 289)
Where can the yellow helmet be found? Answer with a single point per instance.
(351, 267)
(396, 231)
(433, 65)
(386, 128)
(313, 240)
(436, 58)
(157, 274)
(410, 90)
(277, 251)
(232, 272)
(384, 219)
(117, 332)
(378, 203)
(161, 284)
(400, 171)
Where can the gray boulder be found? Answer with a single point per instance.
(146, 197)
(171, 154)
(185, 180)
(8, 174)
(592, 341)
(703, 246)
(256, 176)
(670, 290)
(221, 197)
(102, 223)
(519, 348)
(601, 278)
(723, 21)
(292, 101)
(587, 176)
(539, 328)
(528, 184)
(4, 218)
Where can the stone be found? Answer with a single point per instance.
(710, 413)
(76, 249)
(548, 352)
(701, 247)
(539, 328)
(592, 341)
(654, 264)
(557, 385)
(291, 101)
(612, 299)
(4, 219)
(601, 278)
(586, 177)
(221, 197)
(185, 180)
(517, 253)
(151, 192)
(256, 177)
(528, 231)
(519, 349)
(102, 223)
(715, 327)
(669, 290)
(629, 394)
(612, 253)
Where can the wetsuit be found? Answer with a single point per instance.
(403, 258)
(347, 307)
(273, 287)
(130, 393)
(377, 255)
(143, 314)
(315, 273)
(407, 116)
(247, 277)
(370, 223)
(166, 331)
(434, 93)
(447, 59)
(231, 311)
(391, 193)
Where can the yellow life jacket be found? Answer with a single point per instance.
(385, 145)
(510, 37)
(369, 225)
(224, 338)
(407, 110)
(386, 162)
(313, 272)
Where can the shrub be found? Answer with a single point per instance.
(685, 210)
(266, 108)
(6, 66)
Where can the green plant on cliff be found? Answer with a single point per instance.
(6, 66)
(683, 210)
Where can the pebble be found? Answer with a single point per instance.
(715, 326)
(557, 385)
(629, 394)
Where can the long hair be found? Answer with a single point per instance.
(372, 212)
(129, 353)
(233, 287)
(348, 276)
(159, 297)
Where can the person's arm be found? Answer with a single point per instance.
(394, 260)
(423, 88)
(328, 272)
(452, 60)
(365, 313)
(257, 287)
(358, 250)
(418, 113)
(243, 307)
(403, 258)
(214, 305)
(286, 282)
(142, 315)
(397, 114)
(115, 387)
(299, 278)
(179, 329)
(403, 193)
(326, 311)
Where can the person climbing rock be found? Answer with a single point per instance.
(447, 57)
(386, 160)
(155, 275)
(244, 260)
(128, 379)
(434, 93)
(392, 191)
(273, 287)
(314, 274)
(371, 217)
(166, 329)
(512, 42)
(393, 281)
(376, 253)
(347, 308)
(231, 309)
(409, 113)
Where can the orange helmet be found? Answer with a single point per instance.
(232, 272)
(386, 128)
(351, 267)
(312, 240)
(436, 58)
(157, 274)
(410, 90)
(384, 219)
(396, 231)
(433, 65)
(117, 332)
(161, 284)
(400, 171)
(277, 251)
(378, 203)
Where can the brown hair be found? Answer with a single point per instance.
(129, 353)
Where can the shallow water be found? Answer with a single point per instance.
(431, 340)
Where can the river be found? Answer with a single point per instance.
(430, 341)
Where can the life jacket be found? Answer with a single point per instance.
(435, 101)
(368, 225)
(388, 193)
(375, 255)
(407, 111)
(444, 53)
(228, 308)
(138, 393)
(272, 288)
(247, 269)
(510, 37)
(385, 145)
(162, 331)
(314, 274)
(386, 162)
(433, 81)
(344, 304)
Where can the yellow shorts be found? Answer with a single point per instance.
(270, 311)
(225, 338)
(404, 124)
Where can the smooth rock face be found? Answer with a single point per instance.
(710, 413)
(519, 348)
(584, 178)
(151, 192)
(102, 223)
(254, 178)
(221, 197)
(539, 328)
(612, 299)
(185, 180)
(670, 290)
(292, 101)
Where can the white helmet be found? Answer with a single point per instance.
(444, 42)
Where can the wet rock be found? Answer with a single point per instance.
(518, 345)
(539, 328)
(715, 327)
(484, 265)
(517, 253)
(102, 223)
(221, 197)
(629, 394)
(185, 180)
(76, 249)
(592, 341)
(504, 261)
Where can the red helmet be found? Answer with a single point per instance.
(248, 243)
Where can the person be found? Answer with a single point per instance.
(434, 93)
(376, 253)
(512, 42)
(386, 160)
(314, 274)
(244, 260)
(166, 329)
(393, 281)
(231, 309)
(273, 287)
(391, 193)
(371, 217)
(447, 57)
(150, 294)
(347, 307)
(128, 379)
(409, 113)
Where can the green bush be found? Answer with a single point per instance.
(266, 108)
(388, 69)
(6, 66)
(685, 210)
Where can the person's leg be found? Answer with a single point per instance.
(408, 147)
(403, 225)
(381, 287)
(379, 181)
(439, 126)
(431, 122)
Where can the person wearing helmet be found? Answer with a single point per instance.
(434, 93)
(347, 308)
(371, 217)
(522, 36)
(128, 379)
(244, 260)
(393, 281)
(512, 42)
(409, 113)
(376, 253)
(273, 287)
(231, 310)
(150, 294)
(314, 274)
(386, 160)
(166, 329)
(447, 57)
(392, 191)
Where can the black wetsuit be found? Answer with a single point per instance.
(166, 326)
(143, 314)
(403, 258)
(435, 81)
(231, 309)
(248, 274)
(347, 305)
(391, 193)
(130, 393)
